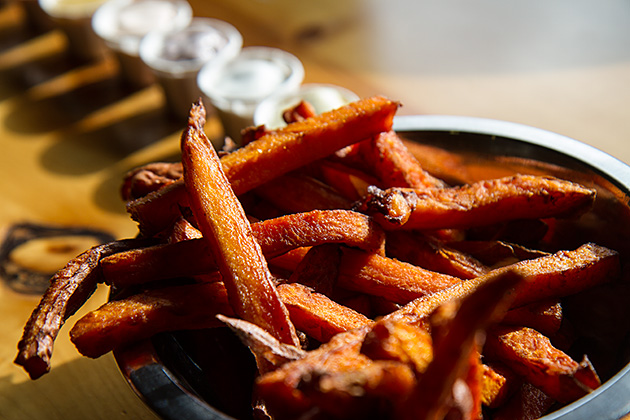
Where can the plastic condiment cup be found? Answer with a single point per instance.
(236, 88)
(177, 56)
(73, 17)
(323, 97)
(123, 23)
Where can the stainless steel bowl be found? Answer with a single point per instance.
(177, 379)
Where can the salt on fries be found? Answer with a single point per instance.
(331, 229)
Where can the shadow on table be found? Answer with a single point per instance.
(58, 394)
(80, 153)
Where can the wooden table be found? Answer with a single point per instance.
(68, 131)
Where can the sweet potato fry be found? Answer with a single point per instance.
(391, 340)
(433, 255)
(69, 289)
(228, 233)
(496, 253)
(289, 391)
(275, 153)
(531, 355)
(275, 237)
(280, 389)
(195, 306)
(441, 163)
(499, 383)
(392, 279)
(319, 269)
(394, 165)
(454, 342)
(148, 178)
(299, 112)
(159, 209)
(482, 203)
(351, 183)
(545, 277)
(140, 316)
(544, 316)
(317, 315)
(307, 194)
(371, 391)
(302, 142)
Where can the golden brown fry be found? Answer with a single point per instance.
(319, 269)
(302, 142)
(544, 316)
(299, 112)
(441, 163)
(370, 392)
(228, 233)
(69, 289)
(394, 165)
(453, 343)
(316, 227)
(497, 253)
(351, 183)
(280, 389)
(392, 279)
(499, 383)
(482, 203)
(275, 236)
(433, 255)
(306, 194)
(531, 355)
(148, 178)
(159, 209)
(195, 306)
(140, 316)
(392, 340)
(545, 277)
(276, 153)
(316, 315)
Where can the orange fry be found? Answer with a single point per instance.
(225, 227)
(433, 255)
(275, 153)
(392, 162)
(531, 355)
(299, 112)
(544, 316)
(498, 384)
(454, 341)
(307, 194)
(195, 306)
(319, 268)
(148, 178)
(392, 279)
(275, 237)
(552, 276)
(69, 288)
(141, 316)
(478, 204)
(316, 315)
(350, 182)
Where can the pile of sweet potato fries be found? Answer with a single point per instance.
(347, 269)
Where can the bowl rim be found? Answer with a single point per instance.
(170, 398)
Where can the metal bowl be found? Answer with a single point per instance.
(195, 374)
